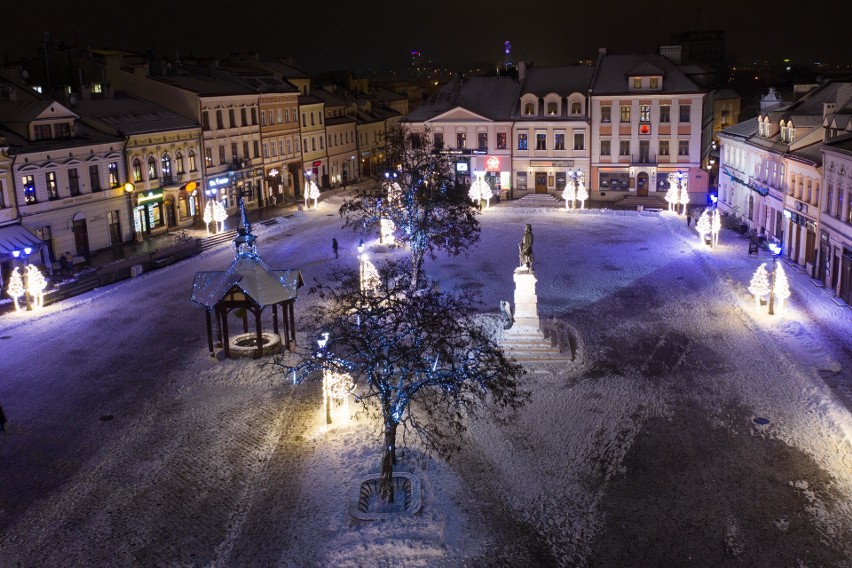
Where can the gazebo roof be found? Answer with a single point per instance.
(248, 273)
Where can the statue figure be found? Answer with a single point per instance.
(525, 249)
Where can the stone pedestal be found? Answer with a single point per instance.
(526, 303)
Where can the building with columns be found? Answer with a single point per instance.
(835, 234)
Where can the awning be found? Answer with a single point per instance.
(16, 237)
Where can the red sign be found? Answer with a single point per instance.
(492, 164)
(644, 129)
(317, 163)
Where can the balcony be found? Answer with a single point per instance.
(643, 159)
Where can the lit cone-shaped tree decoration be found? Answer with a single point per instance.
(15, 289)
(208, 215)
(715, 227)
(782, 286)
(759, 285)
(474, 194)
(672, 196)
(582, 194)
(219, 215)
(315, 193)
(486, 193)
(387, 227)
(569, 195)
(703, 225)
(684, 196)
(36, 284)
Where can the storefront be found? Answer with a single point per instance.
(542, 176)
(148, 214)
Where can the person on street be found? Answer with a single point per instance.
(2, 420)
(334, 247)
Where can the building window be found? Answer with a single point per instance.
(522, 141)
(137, 169)
(644, 113)
(62, 130)
(684, 113)
(114, 224)
(576, 108)
(287, 115)
(243, 121)
(29, 189)
(304, 120)
(625, 113)
(665, 113)
(179, 163)
(559, 141)
(222, 159)
(683, 147)
(263, 118)
(52, 186)
(605, 147)
(42, 132)
(322, 142)
(551, 108)
(606, 113)
(253, 116)
(265, 144)
(654, 83)
(540, 141)
(579, 141)
(624, 148)
(482, 140)
(95, 178)
(205, 120)
(637, 83)
(152, 168)
(501, 140)
(438, 138)
(664, 148)
(829, 196)
(522, 180)
(113, 174)
(219, 122)
(255, 149)
(208, 157)
(232, 120)
(529, 109)
(166, 168)
(245, 150)
(461, 139)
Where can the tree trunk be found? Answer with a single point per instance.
(388, 461)
(416, 267)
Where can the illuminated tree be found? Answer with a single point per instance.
(582, 194)
(672, 196)
(419, 359)
(781, 286)
(314, 192)
(219, 215)
(684, 196)
(569, 194)
(208, 214)
(15, 289)
(703, 225)
(36, 285)
(759, 285)
(429, 215)
(715, 227)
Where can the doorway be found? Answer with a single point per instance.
(171, 218)
(541, 182)
(81, 235)
(642, 184)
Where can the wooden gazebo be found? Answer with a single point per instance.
(248, 285)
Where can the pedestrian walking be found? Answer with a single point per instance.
(2, 420)
(334, 247)
(688, 218)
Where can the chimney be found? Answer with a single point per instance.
(673, 53)
(522, 71)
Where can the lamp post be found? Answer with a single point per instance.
(135, 224)
(361, 258)
(322, 343)
(23, 255)
(776, 250)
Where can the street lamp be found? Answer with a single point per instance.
(322, 344)
(129, 190)
(776, 250)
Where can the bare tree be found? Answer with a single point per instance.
(419, 359)
(429, 215)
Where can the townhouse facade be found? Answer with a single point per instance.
(162, 156)
(835, 236)
(340, 137)
(551, 132)
(646, 123)
(312, 132)
(471, 121)
(774, 180)
(279, 129)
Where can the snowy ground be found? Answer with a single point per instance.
(128, 445)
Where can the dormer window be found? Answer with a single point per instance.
(654, 83)
(576, 108)
(791, 133)
(529, 109)
(551, 108)
(637, 82)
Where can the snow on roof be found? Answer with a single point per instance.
(133, 115)
(614, 70)
(251, 275)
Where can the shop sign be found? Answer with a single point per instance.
(219, 181)
(492, 164)
(551, 164)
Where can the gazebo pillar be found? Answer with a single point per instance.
(209, 332)
(259, 333)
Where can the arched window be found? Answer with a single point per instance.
(529, 109)
(166, 166)
(576, 108)
(192, 165)
(152, 168)
(179, 163)
(551, 108)
(137, 169)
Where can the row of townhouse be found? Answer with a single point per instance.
(787, 175)
(624, 124)
(125, 152)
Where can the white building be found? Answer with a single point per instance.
(835, 237)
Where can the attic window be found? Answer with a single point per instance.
(654, 83)
(529, 109)
(637, 82)
(551, 108)
(97, 88)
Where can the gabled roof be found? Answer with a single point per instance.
(614, 69)
(490, 97)
(253, 277)
(744, 129)
(560, 80)
(645, 69)
(131, 115)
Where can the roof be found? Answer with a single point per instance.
(614, 69)
(560, 80)
(743, 129)
(131, 115)
(203, 85)
(490, 97)
(253, 277)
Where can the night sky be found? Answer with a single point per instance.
(365, 35)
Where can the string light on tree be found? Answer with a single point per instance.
(582, 194)
(315, 192)
(759, 285)
(672, 193)
(208, 215)
(569, 195)
(36, 284)
(387, 229)
(715, 227)
(219, 215)
(15, 289)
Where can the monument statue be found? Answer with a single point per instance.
(525, 250)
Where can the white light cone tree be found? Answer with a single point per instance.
(672, 195)
(683, 196)
(219, 216)
(782, 287)
(315, 193)
(715, 227)
(759, 285)
(15, 289)
(36, 284)
(703, 226)
(582, 194)
(208, 215)
(569, 195)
